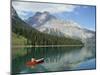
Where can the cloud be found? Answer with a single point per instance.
(34, 7)
(25, 15)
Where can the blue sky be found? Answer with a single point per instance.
(82, 14)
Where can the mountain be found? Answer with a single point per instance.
(39, 19)
(52, 25)
(68, 29)
(35, 37)
(13, 13)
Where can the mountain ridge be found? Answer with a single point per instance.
(66, 28)
(39, 18)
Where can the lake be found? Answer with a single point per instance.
(55, 59)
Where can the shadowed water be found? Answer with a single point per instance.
(55, 59)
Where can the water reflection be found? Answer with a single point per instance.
(56, 58)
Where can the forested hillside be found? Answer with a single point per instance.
(18, 39)
(35, 37)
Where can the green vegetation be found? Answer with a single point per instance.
(18, 39)
(35, 37)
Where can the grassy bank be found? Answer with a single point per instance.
(18, 39)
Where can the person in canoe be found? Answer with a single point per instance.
(34, 62)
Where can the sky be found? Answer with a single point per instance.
(84, 15)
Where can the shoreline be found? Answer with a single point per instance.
(16, 46)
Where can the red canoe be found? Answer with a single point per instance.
(30, 63)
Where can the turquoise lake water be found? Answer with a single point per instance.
(55, 59)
